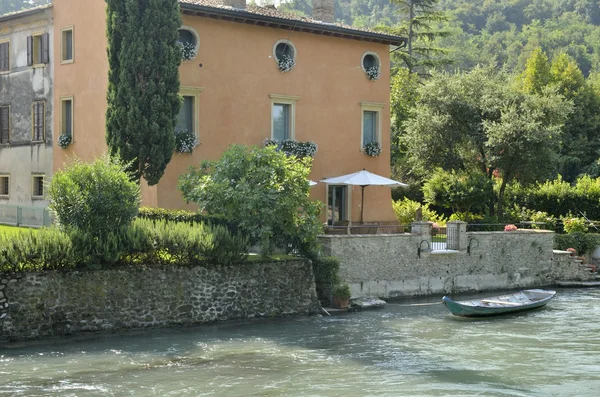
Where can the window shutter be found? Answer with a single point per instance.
(4, 124)
(45, 48)
(3, 56)
(29, 50)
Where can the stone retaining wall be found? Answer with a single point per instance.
(390, 266)
(52, 303)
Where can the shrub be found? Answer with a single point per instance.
(264, 191)
(326, 270)
(94, 197)
(581, 242)
(574, 225)
(47, 248)
(406, 212)
(458, 191)
(186, 216)
(342, 291)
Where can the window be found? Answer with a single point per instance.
(284, 54)
(283, 117)
(66, 116)
(4, 56)
(371, 65)
(4, 124)
(188, 117)
(337, 204)
(371, 122)
(38, 186)
(38, 49)
(4, 186)
(189, 40)
(39, 121)
(66, 45)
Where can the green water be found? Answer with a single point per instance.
(397, 351)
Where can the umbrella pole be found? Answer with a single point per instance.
(362, 203)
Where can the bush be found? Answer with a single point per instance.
(326, 270)
(582, 242)
(264, 191)
(96, 198)
(45, 249)
(458, 191)
(143, 242)
(406, 212)
(342, 291)
(574, 225)
(186, 216)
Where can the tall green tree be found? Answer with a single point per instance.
(537, 72)
(143, 84)
(420, 26)
(481, 122)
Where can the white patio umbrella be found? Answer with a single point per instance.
(363, 179)
(311, 183)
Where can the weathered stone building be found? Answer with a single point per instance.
(26, 103)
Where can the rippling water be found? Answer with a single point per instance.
(400, 350)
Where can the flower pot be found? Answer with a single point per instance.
(340, 303)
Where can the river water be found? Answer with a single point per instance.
(409, 348)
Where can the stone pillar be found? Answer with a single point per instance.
(235, 3)
(456, 233)
(423, 229)
(323, 10)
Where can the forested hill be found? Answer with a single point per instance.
(506, 31)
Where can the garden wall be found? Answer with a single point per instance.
(52, 303)
(390, 266)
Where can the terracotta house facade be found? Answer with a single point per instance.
(333, 91)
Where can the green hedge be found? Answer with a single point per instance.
(559, 198)
(145, 242)
(583, 242)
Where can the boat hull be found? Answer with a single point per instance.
(499, 305)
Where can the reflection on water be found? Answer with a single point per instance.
(400, 350)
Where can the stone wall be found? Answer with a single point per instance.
(390, 266)
(52, 303)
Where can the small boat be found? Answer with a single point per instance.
(503, 304)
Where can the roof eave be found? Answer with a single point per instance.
(241, 16)
(24, 13)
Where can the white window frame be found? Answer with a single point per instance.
(2, 41)
(64, 61)
(33, 186)
(7, 195)
(195, 93)
(284, 100)
(289, 43)
(62, 114)
(371, 107)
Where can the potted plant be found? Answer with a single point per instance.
(341, 295)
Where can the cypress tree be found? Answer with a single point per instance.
(143, 83)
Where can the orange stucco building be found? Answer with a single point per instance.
(235, 92)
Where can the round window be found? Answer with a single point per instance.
(187, 37)
(371, 65)
(189, 41)
(284, 53)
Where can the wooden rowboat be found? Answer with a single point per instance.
(503, 304)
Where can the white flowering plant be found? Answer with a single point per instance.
(372, 149)
(291, 147)
(373, 72)
(64, 140)
(188, 50)
(286, 63)
(185, 141)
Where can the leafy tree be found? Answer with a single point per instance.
(403, 97)
(265, 191)
(479, 121)
(537, 72)
(143, 84)
(459, 191)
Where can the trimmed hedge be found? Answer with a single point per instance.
(584, 243)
